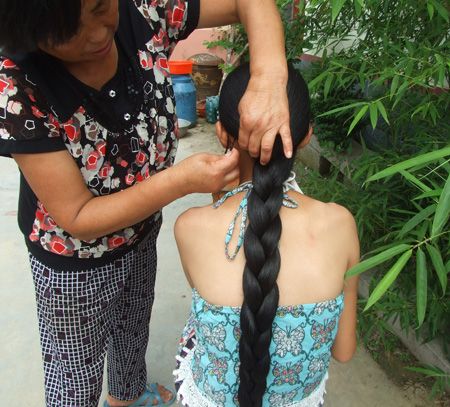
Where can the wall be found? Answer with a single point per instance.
(194, 45)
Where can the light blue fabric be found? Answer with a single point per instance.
(300, 349)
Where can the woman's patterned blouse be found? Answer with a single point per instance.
(300, 351)
(117, 136)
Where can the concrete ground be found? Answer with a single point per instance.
(360, 383)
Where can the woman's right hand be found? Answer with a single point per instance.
(208, 173)
(57, 182)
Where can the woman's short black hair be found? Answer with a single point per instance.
(26, 23)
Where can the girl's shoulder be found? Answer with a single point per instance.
(331, 210)
(339, 222)
(193, 219)
(323, 212)
(208, 216)
(336, 214)
(328, 222)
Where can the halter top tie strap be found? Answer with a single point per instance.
(242, 211)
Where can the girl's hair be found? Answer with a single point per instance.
(263, 232)
(26, 23)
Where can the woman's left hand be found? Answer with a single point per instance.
(264, 107)
(264, 114)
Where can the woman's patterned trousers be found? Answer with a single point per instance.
(84, 315)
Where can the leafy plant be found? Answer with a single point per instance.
(385, 212)
(441, 379)
(382, 81)
(392, 71)
(235, 41)
(422, 234)
(390, 55)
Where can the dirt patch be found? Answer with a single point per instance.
(394, 358)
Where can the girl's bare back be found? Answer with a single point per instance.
(318, 244)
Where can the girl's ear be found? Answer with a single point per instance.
(307, 138)
(222, 135)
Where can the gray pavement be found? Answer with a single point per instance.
(360, 383)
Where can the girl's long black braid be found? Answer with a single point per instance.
(260, 279)
(261, 295)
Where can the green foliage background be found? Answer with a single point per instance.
(385, 72)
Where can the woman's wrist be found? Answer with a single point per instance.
(178, 180)
(274, 75)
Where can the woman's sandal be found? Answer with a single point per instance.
(150, 394)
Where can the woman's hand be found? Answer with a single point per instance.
(264, 114)
(208, 172)
(57, 182)
(264, 108)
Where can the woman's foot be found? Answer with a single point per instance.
(165, 394)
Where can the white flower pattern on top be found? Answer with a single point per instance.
(281, 399)
(288, 341)
(214, 335)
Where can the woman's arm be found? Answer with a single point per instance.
(57, 182)
(264, 107)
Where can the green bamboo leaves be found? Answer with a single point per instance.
(431, 219)
(375, 109)
(376, 260)
(438, 265)
(389, 80)
(441, 10)
(382, 110)
(336, 7)
(417, 219)
(358, 118)
(421, 285)
(413, 162)
(442, 210)
(388, 279)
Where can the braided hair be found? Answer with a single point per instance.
(263, 233)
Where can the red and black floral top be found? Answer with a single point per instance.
(118, 136)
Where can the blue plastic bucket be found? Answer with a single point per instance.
(185, 97)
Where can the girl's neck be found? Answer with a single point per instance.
(246, 164)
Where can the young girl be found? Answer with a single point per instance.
(266, 319)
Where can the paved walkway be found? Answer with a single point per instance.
(360, 383)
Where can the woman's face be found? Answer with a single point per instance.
(95, 36)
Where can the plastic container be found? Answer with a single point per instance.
(206, 74)
(181, 67)
(184, 90)
(183, 126)
(212, 109)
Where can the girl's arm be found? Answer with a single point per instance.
(58, 184)
(344, 345)
(264, 107)
(185, 232)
